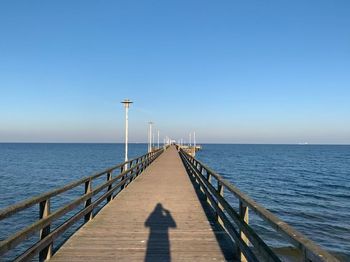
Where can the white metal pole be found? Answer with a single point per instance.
(150, 137)
(126, 103)
(190, 140)
(126, 132)
(194, 139)
(158, 139)
(149, 133)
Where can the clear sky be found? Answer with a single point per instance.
(233, 71)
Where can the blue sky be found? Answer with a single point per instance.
(233, 71)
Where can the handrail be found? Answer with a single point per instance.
(6, 212)
(203, 174)
(128, 171)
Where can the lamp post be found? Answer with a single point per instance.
(194, 139)
(126, 103)
(158, 139)
(150, 137)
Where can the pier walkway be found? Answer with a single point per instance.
(157, 217)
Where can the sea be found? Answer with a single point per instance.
(307, 186)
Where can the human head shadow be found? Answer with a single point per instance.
(158, 244)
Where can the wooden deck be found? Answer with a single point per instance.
(158, 217)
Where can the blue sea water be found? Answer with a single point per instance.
(308, 186)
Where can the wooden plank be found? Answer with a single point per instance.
(158, 217)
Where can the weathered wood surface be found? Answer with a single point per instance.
(158, 217)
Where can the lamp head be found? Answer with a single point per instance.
(126, 103)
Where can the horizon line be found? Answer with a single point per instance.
(204, 143)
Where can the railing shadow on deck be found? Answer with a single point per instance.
(158, 244)
(226, 245)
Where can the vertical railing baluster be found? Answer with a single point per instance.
(138, 163)
(142, 165)
(220, 190)
(109, 177)
(208, 178)
(197, 178)
(88, 189)
(136, 169)
(201, 169)
(123, 177)
(244, 214)
(133, 173)
(44, 211)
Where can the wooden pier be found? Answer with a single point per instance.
(162, 206)
(158, 217)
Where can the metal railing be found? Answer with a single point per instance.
(127, 171)
(213, 185)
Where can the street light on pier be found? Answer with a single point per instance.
(158, 139)
(150, 137)
(126, 103)
(194, 139)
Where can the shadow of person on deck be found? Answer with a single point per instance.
(158, 244)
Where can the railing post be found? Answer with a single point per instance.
(208, 178)
(194, 162)
(146, 162)
(244, 214)
(123, 177)
(220, 190)
(133, 172)
(138, 169)
(199, 169)
(147, 159)
(143, 164)
(88, 216)
(109, 177)
(44, 211)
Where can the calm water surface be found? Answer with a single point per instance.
(306, 186)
